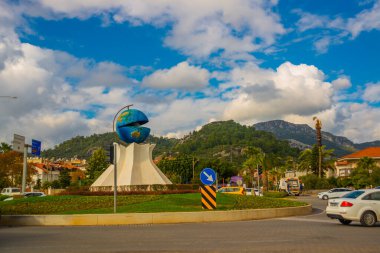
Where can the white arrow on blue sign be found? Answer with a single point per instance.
(208, 176)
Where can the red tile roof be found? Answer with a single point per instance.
(341, 163)
(367, 152)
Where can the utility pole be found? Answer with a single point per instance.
(193, 168)
(258, 178)
(24, 168)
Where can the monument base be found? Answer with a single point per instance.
(134, 167)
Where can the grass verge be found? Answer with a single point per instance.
(135, 204)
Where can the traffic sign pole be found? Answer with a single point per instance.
(208, 191)
(24, 168)
(114, 177)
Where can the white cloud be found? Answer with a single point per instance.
(372, 92)
(342, 82)
(367, 20)
(60, 96)
(360, 123)
(267, 94)
(183, 116)
(336, 29)
(181, 76)
(199, 28)
(48, 106)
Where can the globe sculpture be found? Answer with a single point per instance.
(128, 126)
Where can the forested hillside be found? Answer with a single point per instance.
(228, 139)
(224, 140)
(220, 145)
(82, 147)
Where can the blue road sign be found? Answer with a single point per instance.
(36, 147)
(208, 176)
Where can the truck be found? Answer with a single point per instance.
(291, 185)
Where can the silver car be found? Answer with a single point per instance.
(333, 193)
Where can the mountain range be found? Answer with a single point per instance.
(222, 140)
(303, 136)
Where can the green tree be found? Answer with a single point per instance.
(97, 164)
(367, 173)
(5, 147)
(38, 184)
(55, 184)
(11, 169)
(64, 178)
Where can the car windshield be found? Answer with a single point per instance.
(353, 195)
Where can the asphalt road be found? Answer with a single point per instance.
(306, 234)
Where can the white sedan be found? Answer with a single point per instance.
(360, 205)
(333, 193)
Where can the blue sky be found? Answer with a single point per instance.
(73, 64)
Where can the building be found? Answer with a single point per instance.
(345, 165)
(48, 171)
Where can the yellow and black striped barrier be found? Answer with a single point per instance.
(208, 193)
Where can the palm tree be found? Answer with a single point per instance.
(308, 159)
(305, 160)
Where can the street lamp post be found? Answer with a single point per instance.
(115, 160)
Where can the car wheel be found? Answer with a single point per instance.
(368, 219)
(325, 197)
(345, 222)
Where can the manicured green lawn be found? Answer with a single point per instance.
(135, 204)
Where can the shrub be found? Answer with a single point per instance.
(2, 197)
(312, 182)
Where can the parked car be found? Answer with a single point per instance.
(250, 191)
(232, 190)
(333, 193)
(377, 187)
(34, 194)
(29, 195)
(10, 191)
(360, 205)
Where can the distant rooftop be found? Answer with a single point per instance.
(373, 152)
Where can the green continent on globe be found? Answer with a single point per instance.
(136, 134)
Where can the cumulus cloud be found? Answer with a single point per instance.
(184, 115)
(229, 27)
(60, 96)
(372, 92)
(359, 122)
(267, 94)
(51, 107)
(181, 76)
(342, 82)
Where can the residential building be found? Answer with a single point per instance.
(346, 164)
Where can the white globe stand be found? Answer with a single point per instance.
(134, 167)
